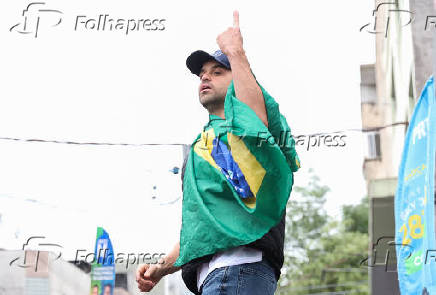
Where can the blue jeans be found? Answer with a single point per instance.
(244, 279)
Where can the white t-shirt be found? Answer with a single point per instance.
(234, 256)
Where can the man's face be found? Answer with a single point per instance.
(95, 290)
(215, 79)
(107, 290)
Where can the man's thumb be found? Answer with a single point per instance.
(148, 273)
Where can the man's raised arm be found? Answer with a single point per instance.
(246, 88)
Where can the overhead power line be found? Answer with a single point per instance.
(86, 143)
(363, 130)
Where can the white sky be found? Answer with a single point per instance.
(108, 87)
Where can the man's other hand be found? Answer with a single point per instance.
(147, 276)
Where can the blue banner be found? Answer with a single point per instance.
(414, 201)
(103, 267)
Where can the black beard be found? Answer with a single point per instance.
(214, 104)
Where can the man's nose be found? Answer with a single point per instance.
(205, 76)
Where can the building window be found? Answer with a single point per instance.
(368, 93)
(373, 144)
(121, 280)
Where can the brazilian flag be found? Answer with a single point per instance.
(238, 179)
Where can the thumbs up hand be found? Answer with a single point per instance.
(230, 41)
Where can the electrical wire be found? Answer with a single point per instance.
(363, 130)
(87, 143)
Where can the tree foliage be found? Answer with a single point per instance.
(323, 255)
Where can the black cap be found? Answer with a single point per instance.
(195, 61)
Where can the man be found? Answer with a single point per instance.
(248, 268)
(107, 289)
(94, 290)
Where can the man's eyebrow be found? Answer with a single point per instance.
(213, 67)
(218, 66)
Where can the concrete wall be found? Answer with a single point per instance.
(394, 72)
(422, 42)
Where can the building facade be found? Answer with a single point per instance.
(388, 95)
